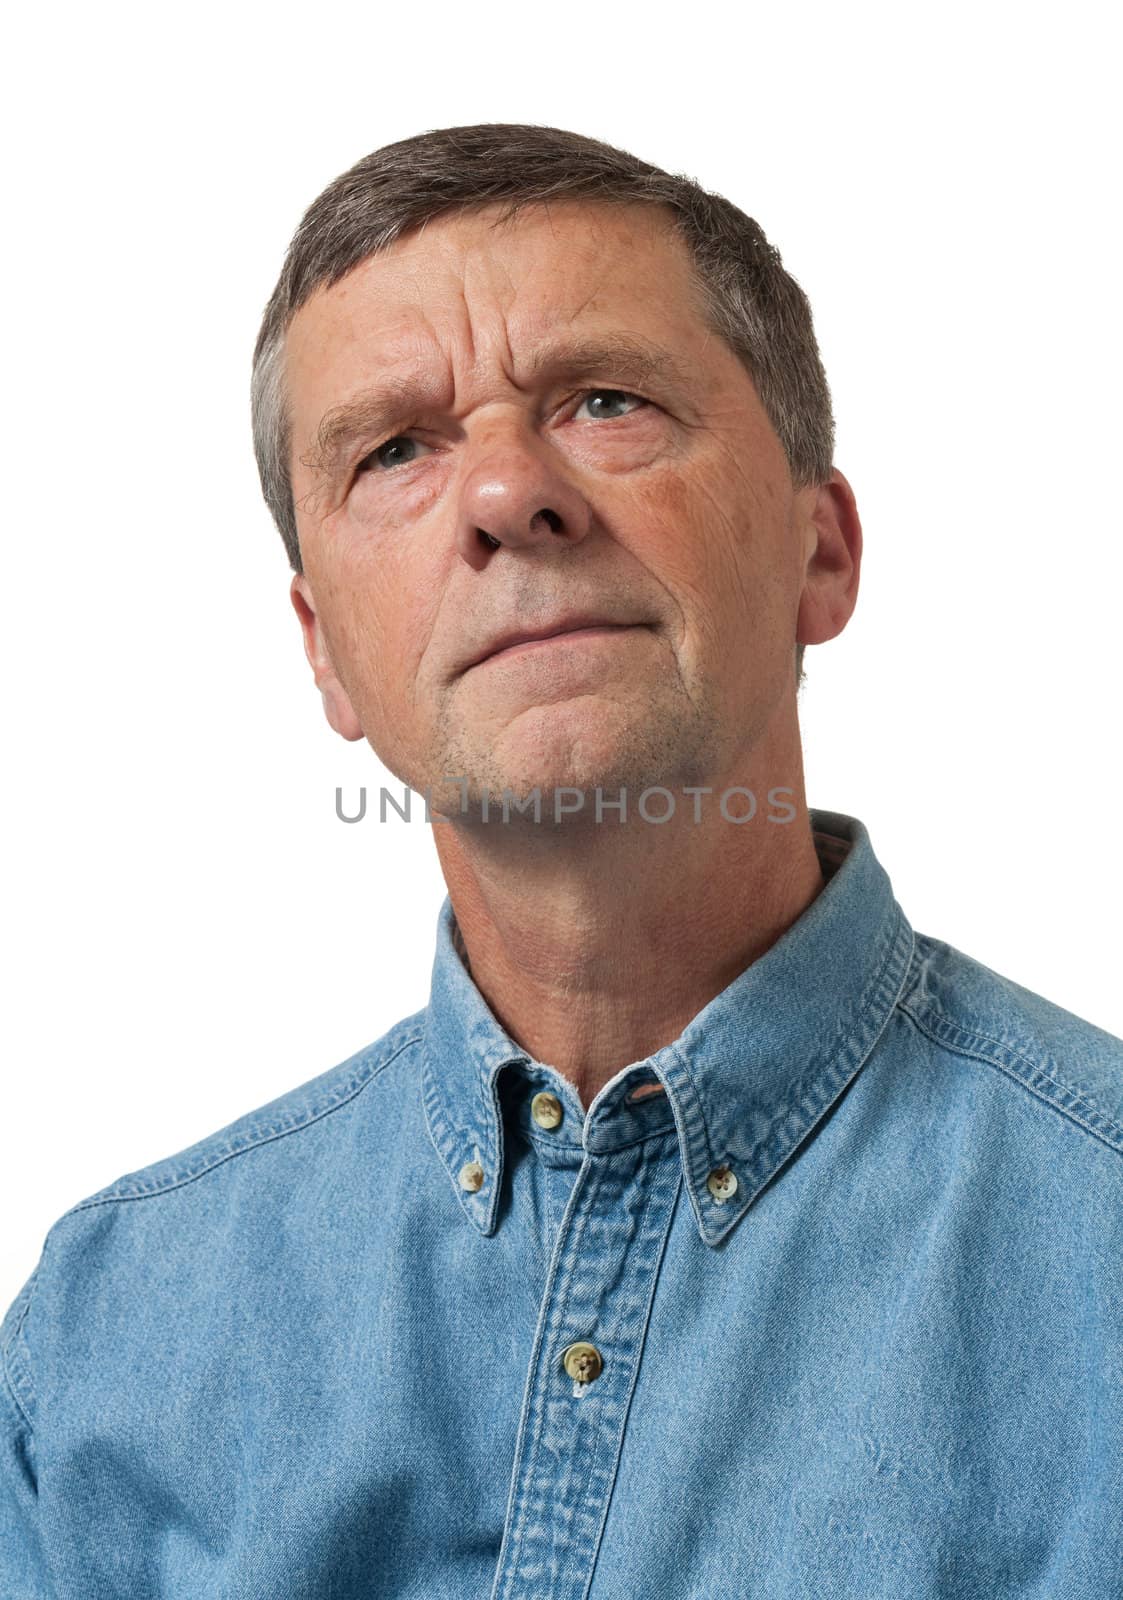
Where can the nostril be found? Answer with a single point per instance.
(553, 521)
(492, 544)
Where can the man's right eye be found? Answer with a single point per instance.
(386, 454)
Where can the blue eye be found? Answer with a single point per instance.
(592, 395)
(389, 453)
(382, 452)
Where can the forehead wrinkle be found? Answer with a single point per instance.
(630, 357)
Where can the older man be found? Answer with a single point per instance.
(710, 1231)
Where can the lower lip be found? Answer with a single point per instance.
(571, 636)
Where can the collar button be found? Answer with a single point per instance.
(722, 1184)
(547, 1110)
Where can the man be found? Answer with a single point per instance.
(710, 1231)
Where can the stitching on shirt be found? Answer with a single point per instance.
(840, 1060)
(16, 1366)
(448, 1141)
(534, 1420)
(565, 1263)
(10, 1391)
(693, 1131)
(254, 1137)
(655, 1182)
(942, 1029)
(828, 1072)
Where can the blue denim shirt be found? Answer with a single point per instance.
(846, 1292)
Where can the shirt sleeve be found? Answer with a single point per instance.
(23, 1569)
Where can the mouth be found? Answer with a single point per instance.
(562, 637)
(560, 640)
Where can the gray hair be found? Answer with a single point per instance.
(748, 298)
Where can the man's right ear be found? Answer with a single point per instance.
(337, 704)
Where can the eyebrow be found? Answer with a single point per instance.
(373, 412)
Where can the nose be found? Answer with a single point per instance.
(515, 496)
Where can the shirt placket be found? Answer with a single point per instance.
(595, 1311)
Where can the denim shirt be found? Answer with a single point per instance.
(833, 1307)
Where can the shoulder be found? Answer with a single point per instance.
(164, 1226)
(967, 1008)
(292, 1113)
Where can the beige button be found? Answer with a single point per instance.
(471, 1175)
(582, 1361)
(546, 1109)
(722, 1184)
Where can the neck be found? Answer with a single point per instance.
(596, 944)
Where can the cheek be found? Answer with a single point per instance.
(717, 541)
(704, 535)
(376, 568)
(376, 619)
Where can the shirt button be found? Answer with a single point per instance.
(546, 1109)
(582, 1361)
(471, 1175)
(722, 1184)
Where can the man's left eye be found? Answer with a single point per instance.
(594, 396)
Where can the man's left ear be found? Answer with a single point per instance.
(337, 703)
(833, 545)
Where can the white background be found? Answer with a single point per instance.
(188, 930)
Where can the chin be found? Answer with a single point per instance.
(582, 744)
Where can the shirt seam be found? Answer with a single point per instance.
(16, 1363)
(971, 1043)
(254, 1139)
(14, 1399)
(594, 1542)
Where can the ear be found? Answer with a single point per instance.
(337, 705)
(832, 536)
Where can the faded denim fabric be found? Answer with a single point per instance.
(854, 1274)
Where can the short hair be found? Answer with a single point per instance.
(747, 296)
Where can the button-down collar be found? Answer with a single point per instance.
(745, 1081)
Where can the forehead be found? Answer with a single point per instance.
(469, 288)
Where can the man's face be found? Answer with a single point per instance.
(532, 482)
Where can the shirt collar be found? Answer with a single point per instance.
(745, 1081)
